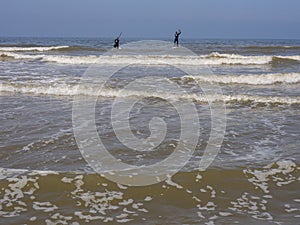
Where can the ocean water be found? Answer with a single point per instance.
(46, 177)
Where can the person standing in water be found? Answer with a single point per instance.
(176, 39)
(117, 41)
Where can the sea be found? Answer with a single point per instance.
(204, 133)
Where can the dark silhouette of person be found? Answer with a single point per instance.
(177, 33)
(117, 42)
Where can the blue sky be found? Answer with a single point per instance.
(151, 18)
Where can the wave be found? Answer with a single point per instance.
(211, 59)
(252, 79)
(272, 47)
(74, 90)
(15, 56)
(279, 61)
(6, 57)
(81, 48)
(63, 48)
(32, 48)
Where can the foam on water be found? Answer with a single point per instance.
(32, 49)
(95, 199)
(252, 79)
(211, 59)
(261, 178)
(258, 184)
(72, 90)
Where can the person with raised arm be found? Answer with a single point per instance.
(176, 39)
(117, 41)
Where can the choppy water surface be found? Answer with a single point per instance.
(44, 179)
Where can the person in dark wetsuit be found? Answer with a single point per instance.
(177, 33)
(117, 43)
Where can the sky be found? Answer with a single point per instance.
(276, 19)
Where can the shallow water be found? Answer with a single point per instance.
(253, 179)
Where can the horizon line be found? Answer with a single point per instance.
(155, 38)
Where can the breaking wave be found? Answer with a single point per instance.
(211, 59)
(252, 79)
(73, 90)
(285, 61)
(32, 49)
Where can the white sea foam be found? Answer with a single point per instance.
(294, 57)
(44, 206)
(11, 172)
(261, 178)
(73, 90)
(30, 49)
(19, 56)
(252, 79)
(211, 59)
